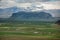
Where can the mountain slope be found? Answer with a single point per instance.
(35, 16)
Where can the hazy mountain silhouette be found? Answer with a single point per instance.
(30, 16)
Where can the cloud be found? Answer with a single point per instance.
(24, 5)
(5, 16)
(6, 13)
(24, 1)
(7, 3)
(47, 4)
(54, 12)
(51, 5)
(19, 3)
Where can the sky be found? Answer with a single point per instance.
(47, 5)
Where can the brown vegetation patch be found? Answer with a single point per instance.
(25, 38)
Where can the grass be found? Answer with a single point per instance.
(29, 29)
(19, 37)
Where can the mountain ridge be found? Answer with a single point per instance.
(31, 16)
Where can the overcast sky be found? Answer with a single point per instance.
(47, 4)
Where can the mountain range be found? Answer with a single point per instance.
(19, 14)
(31, 16)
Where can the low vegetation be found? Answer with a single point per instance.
(35, 29)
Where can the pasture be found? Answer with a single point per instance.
(29, 31)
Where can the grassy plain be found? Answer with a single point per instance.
(29, 31)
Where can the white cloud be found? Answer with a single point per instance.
(24, 5)
(24, 1)
(48, 5)
(5, 16)
(51, 5)
(54, 12)
(7, 3)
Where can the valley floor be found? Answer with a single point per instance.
(28, 31)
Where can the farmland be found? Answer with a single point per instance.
(29, 30)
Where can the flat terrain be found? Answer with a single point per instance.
(19, 37)
(29, 31)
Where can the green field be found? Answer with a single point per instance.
(30, 29)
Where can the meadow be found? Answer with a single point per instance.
(29, 30)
